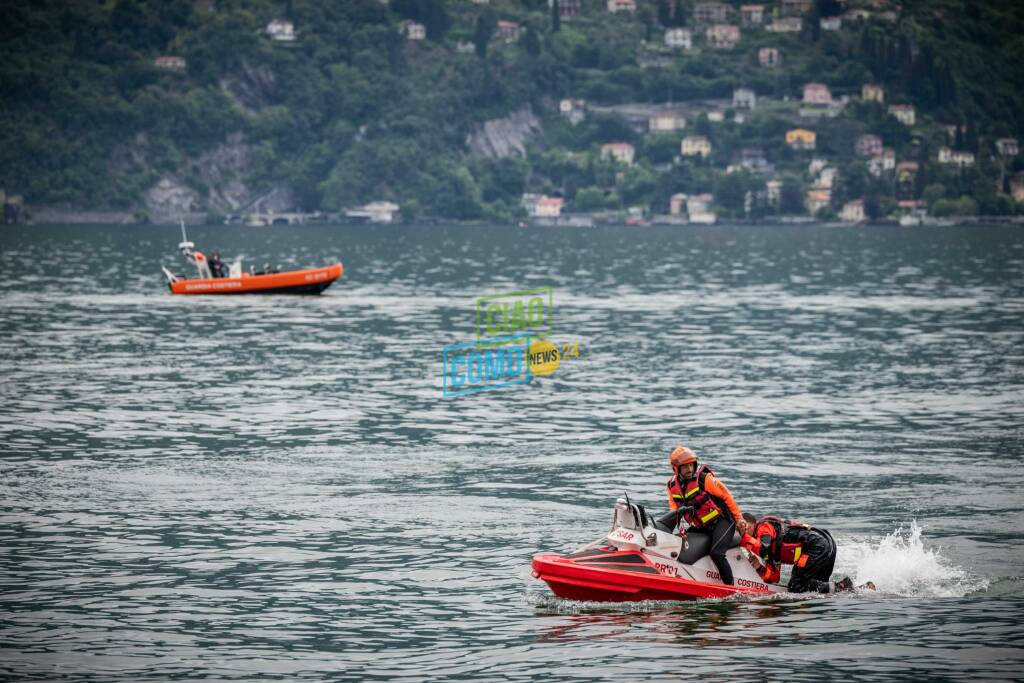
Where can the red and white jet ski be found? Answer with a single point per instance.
(642, 559)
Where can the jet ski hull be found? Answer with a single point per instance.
(310, 281)
(627, 576)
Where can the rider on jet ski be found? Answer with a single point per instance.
(708, 505)
(810, 550)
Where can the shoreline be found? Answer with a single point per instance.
(97, 218)
(59, 215)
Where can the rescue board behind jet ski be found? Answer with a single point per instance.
(642, 559)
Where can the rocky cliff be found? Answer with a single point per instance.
(499, 138)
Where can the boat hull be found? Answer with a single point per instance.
(633, 580)
(310, 281)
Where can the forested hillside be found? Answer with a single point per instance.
(354, 107)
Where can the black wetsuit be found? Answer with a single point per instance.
(820, 551)
(721, 539)
(216, 267)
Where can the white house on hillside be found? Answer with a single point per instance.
(904, 113)
(412, 30)
(769, 56)
(170, 62)
(679, 38)
(664, 123)
(573, 109)
(723, 36)
(852, 212)
(870, 92)
(744, 98)
(695, 145)
(621, 152)
(282, 30)
(1007, 147)
(817, 93)
(698, 209)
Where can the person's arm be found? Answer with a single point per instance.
(758, 541)
(672, 504)
(717, 489)
(770, 572)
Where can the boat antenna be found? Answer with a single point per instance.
(184, 237)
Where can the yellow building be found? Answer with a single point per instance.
(800, 138)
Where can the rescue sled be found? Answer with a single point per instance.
(642, 559)
(308, 281)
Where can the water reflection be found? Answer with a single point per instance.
(714, 623)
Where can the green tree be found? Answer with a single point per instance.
(933, 193)
(531, 43)
(703, 125)
(637, 186)
(430, 13)
(482, 30)
(590, 199)
(671, 13)
(791, 196)
(504, 179)
(873, 207)
(731, 190)
(455, 194)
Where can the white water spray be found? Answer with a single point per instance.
(900, 564)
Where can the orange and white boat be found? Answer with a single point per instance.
(307, 281)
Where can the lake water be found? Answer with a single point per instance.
(274, 486)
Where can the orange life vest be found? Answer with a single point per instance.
(706, 509)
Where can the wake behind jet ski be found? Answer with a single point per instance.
(642, 559)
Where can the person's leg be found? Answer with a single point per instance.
(721, 537)
(846, 583)
(799, 581)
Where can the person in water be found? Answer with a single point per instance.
(707, 505)
(810, 550)
(216, 265)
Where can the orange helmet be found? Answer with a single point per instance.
(681, 456)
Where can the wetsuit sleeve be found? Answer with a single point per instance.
(718, 490)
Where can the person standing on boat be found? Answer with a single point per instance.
(707, 505)
(216, 265)
(810, 550)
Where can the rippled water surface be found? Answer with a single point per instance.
(273, 486)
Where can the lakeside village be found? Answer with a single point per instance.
(821, 171)
(790, 179)
(797, 177)
(804, 167)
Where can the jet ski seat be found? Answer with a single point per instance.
(700, 545)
